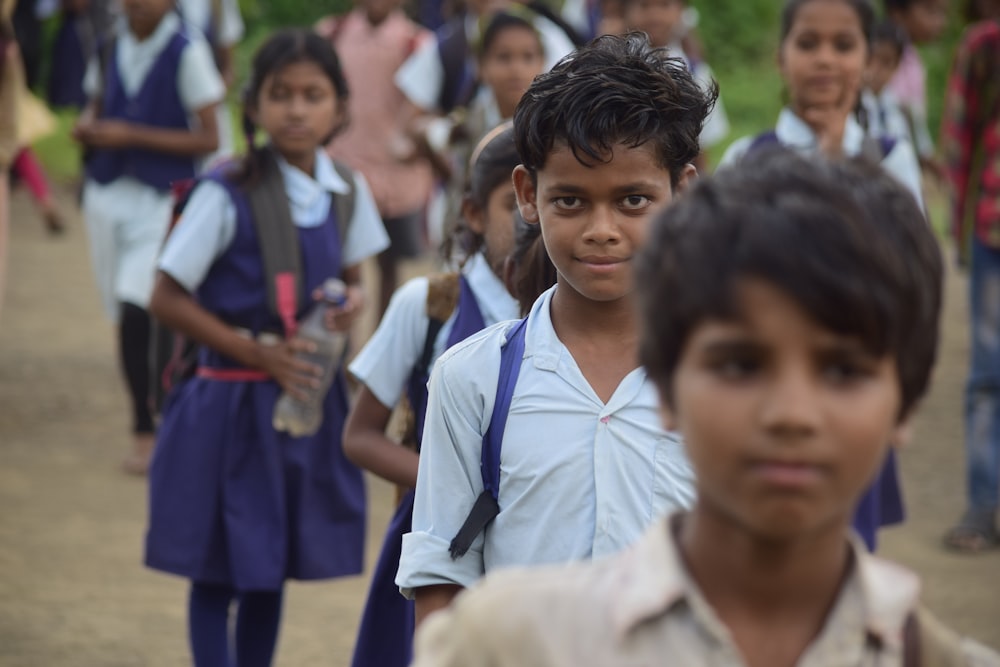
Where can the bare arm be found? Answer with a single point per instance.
(366, 444)
(431, 598)
(174, 306)
(200, 140)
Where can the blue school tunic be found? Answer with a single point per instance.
(69, 64)
(385, 638)
(157, 103)
(232, 501)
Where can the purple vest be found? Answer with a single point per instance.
(235, 287)
(157, 104)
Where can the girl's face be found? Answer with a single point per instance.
(495, 223)
(824, 55)
(924, 20)
(298, 108)
(512, 62)
(144, 15)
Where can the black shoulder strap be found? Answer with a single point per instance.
(279, 241)
(442, 299)
(344, 204)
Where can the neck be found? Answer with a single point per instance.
(743, 575)
(506, 109)
(305, 162)
(574, 316)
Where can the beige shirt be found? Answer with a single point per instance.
(641, 608)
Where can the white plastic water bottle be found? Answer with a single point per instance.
(304, 417)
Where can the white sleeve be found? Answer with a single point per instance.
(92, 78)
(366, 235)
(421, 77)
(554, 41)
(461, 394)
(716, 126)
(205, 230)
(231, 27)
(736, 151)
(199, 83)
(902, 163)
(387, 359)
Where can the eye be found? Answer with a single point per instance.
(568, 203)
(806, 42)
(845, 44)
(278, 93)
(635, 202)
(846, 369)
(735, 365)
(315, 95)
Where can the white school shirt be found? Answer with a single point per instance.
(230, 29)
(885, 117)
(578, 478)
(421, 77)
(716, 126)
(387, 359)
(198, 82)
(208, 224)
(792, 131)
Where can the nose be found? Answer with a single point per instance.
(791, 403)
(602, 227)
(297, 106)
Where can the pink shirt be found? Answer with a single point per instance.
(909, 83)
(370, 56)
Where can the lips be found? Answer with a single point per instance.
(601, 260)
(790, 475)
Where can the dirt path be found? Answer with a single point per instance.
(72, 590)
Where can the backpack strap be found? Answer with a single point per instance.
(487, 506)
(279, 242)
(344, 204)
(929, 643)
(769, 138)
(442, 298)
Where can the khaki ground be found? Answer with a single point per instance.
(73, 591)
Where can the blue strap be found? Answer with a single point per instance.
(510, 367)
(487, 505)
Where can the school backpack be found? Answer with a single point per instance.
(873, 149)
(173, 357)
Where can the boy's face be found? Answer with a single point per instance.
(786, 422)
(144, 15)
(657, 18)
(882, 65)
(924, 20)
(595, 218)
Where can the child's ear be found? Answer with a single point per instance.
(688, 176)
(527, 197)
(473, 215)
(667, 415)
(902, 433)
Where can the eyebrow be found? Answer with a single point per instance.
(626, 189)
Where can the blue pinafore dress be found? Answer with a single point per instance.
(385, 638)
(232, 501)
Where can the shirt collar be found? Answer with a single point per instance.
(793, 131)
(302, 188)
(495, 302)
(168, 25)
(654, 579)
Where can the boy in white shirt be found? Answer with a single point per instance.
(606, 139)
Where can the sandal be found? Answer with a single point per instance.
(975, 533)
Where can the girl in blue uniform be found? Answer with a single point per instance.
(236, 506)
(391, 365)
(825, 48)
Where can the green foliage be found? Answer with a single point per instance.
(265, 14)
(738, 33)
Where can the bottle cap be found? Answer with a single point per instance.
(334, 291)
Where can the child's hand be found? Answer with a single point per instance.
(295, 376)
(829, 121)
(341, 318)
(105, 134)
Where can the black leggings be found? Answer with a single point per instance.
(133, 341)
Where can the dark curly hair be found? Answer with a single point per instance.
(616, 89)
